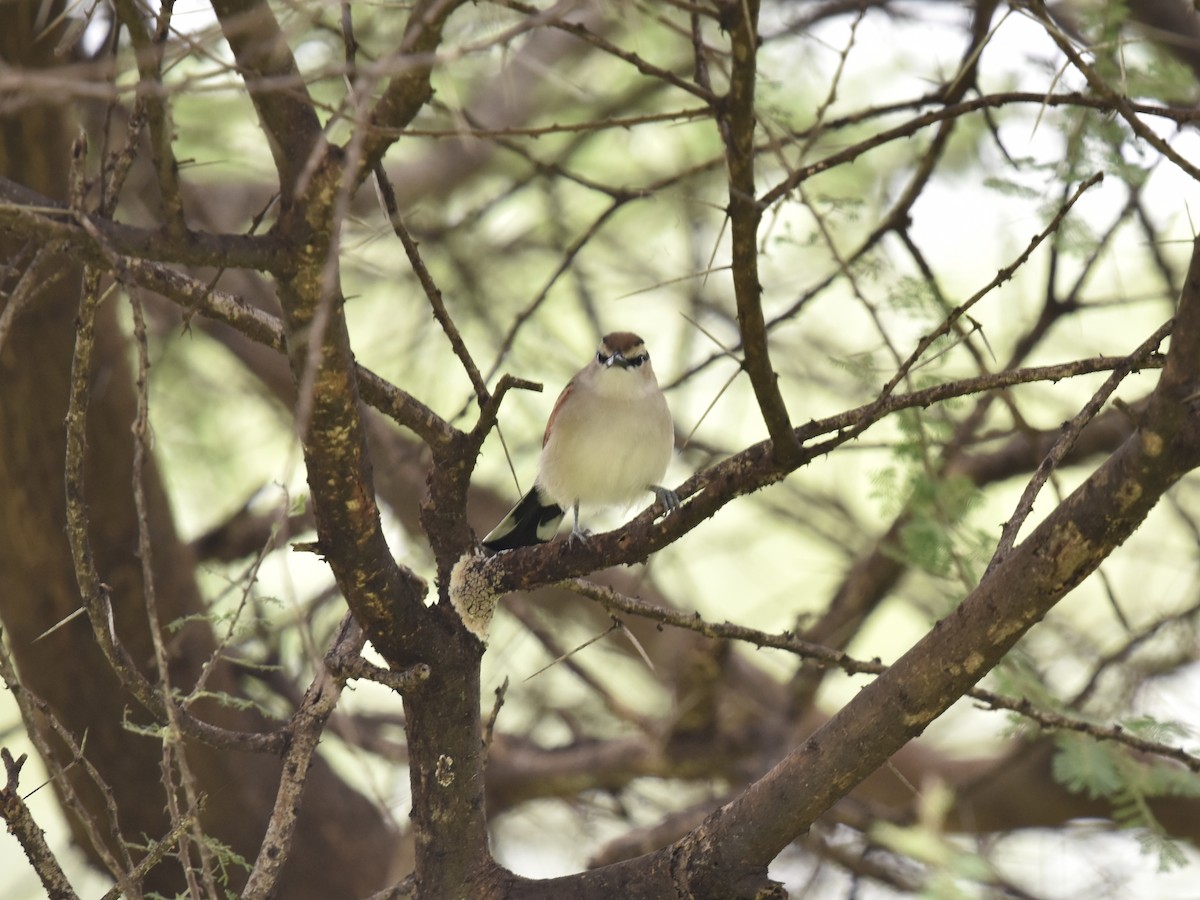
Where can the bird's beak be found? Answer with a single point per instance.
(618, 360)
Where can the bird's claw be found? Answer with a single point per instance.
(667, 497)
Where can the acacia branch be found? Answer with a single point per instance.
(38, 716)
(158, 852)
(1066, 440)
(192, 294)
(1001, 277)
(952, 111)
(151, 103)
(95, 594)
(736, 120)
(386, 598)
(409, 90)
(38, 217)
(728, 854)
(1097, 83)
(830, 657)
(32, 839)
(174, 765)
(1065, 548)
(304, 732)
(708, 491)
(436, 301)
(645, 67)
(286, 113)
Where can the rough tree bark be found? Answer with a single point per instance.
(38, 587)
(341, 838)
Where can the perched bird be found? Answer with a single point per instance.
(609, 439)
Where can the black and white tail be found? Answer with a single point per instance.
(532, 521)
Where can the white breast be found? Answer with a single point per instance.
(609, 448)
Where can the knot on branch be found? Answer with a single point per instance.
(473, 594)
(347, 666)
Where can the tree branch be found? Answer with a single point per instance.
(286, 113)
(304, 732)
(36, 216)
(32, 839)
(1066, 547)
(708, 491)
(92, 590)
(736, 120)
(409, 90)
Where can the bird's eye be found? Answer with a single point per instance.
(637, 360)
(602, 359)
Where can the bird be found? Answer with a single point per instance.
(608, 440)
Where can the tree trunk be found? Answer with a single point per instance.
(343, 846)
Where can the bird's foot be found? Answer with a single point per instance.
(667, 497)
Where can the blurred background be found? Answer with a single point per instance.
(563, 183)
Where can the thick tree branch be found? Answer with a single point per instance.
(387, 599)
(287, 113)
(1065, 548)
(959, 651)
(876, 572)
(36, 216)
(708, 491)
(409, 89)
(832, 657)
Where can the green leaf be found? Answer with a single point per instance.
(1012, 189)
(916, 298)
(1156, 842)
(1085, 765)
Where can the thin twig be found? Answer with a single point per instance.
(36, 277)
(92, 590)
(489, 727)
(305, 729)
(37, 716)
(1001, 276)
(436, 302)
(32, 839)
(158, 851)
(1066, 440)
(174, 758)
(1096, 82)
(614, 601)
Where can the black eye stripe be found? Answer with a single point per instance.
(625, 361)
